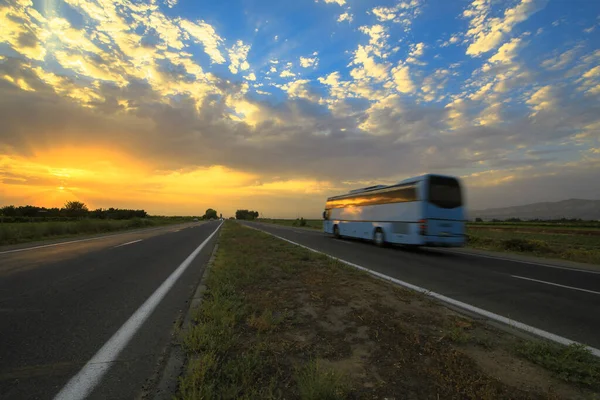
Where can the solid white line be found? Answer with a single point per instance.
(79, 240)
(495, 258)
(499, 318)
(517, 261)
(125, 244)
(555, 284)
(82, 384)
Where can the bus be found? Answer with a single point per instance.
(426, 210)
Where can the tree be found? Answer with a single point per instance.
(246, 214)
(75, 209)
(478, 220)
(210, 213)
(9, 211)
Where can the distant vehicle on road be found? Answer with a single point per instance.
(426, 210)
(195, 219)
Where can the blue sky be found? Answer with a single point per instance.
(310, 97)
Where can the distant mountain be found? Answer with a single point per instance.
(572, 208)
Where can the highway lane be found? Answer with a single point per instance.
(521, 291)
(60, 304)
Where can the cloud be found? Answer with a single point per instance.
(345, 17)
(401, 75)
(299, 89)
(204, 33)
(542, 99)
(403, 13)
(561, 61)
(416, 51)
(287, 74)
(481, 92)
(377, 38)
(307, 62)
(370, 68)
(237, 55)
(338, 2)
(486, 32)
(131, 79)
(507, 52)
(453, 40)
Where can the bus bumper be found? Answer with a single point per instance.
(445, 241)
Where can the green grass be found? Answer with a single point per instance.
(573, 363)
(578, 248)
(22, 232)
(280, 322)
(316, 382)
(309, 223)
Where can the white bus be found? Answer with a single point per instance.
(425, 210)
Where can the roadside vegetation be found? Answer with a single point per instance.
(29, 223)
(278, 321)
(300, 222)
(18, 232)
(569, 240)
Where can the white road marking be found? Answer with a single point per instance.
(176, 230)
(556, 284)
(125, 244)
(465, 306)
(82, 384)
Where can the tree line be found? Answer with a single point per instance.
(70, 211)
(246, 214)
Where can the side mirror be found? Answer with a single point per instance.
(324, 214)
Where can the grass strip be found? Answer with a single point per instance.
(280, 322)
(23, 232)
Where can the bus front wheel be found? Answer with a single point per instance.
(379, 238)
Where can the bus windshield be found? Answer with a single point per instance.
(444, 192)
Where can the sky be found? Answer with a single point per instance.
(176, 106)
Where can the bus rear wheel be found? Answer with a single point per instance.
(336, 232)
(379, 238)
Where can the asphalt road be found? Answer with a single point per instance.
(504, 287)
(60, 304)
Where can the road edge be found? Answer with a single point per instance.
(464, 308)
(168, 382)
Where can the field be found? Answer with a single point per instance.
(306, 223)
(572, 244)
(21, 232)
(278, 321)
(579, 242)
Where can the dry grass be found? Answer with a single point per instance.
(278, 321)
(22, 232)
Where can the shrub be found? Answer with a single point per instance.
(526, 245)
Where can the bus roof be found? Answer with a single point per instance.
(407, 181)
